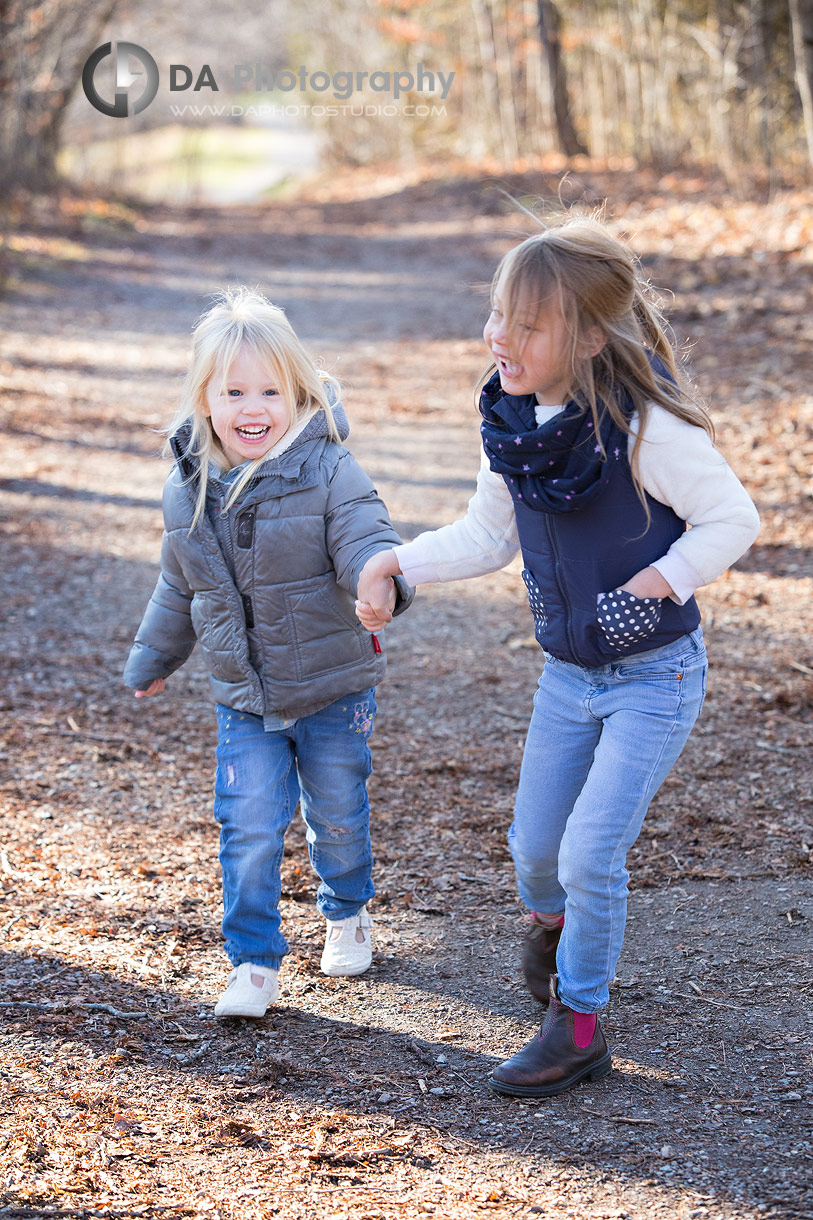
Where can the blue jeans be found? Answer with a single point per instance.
(323, 762)
(600, 743)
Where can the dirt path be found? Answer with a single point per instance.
(367, 1098)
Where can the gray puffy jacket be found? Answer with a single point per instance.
(267, 588)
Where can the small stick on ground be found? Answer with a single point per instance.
(620, 1118)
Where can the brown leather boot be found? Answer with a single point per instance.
(539, 958)
(553, 1061)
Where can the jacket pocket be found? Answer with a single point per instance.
(625, 620)
(201, 619)
(323, 628)
(216, 637)
(536, 604)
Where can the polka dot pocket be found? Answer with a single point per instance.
(625, 619)
(536, 604)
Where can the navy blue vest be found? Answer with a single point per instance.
(578, 550)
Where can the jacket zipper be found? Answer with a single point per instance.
(562, 594)
(224, 517)
(215, 556)
(245, 541)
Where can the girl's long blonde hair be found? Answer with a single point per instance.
(240, 318)
(595, 280)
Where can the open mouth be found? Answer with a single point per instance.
(257, 432)
(508, 368)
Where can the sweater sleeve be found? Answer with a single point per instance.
(680, 467)
(482, 541)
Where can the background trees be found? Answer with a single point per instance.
(665, 81)
(801, 15)
(43, 45)
(727, 82)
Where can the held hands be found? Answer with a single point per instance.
(376, 591)
(155, 688)
(648, 583)
(372, 619)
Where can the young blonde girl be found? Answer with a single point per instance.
(594, 462)
(268, 523)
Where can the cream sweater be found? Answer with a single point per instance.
(678, 466)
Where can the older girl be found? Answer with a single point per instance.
(594, 464)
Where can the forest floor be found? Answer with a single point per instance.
(367, 1098)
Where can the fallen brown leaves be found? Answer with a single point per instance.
(366, 1098)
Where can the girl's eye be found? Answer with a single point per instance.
(495, 313)
(239, 393)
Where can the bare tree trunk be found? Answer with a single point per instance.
(536, 119)
(505, 83)
(550, 24)
(43, 47)
(801, 18)
(488, 60)
(759, 42)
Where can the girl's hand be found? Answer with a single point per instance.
(648, 583)
(371, 619)
(155, 688)
(376, 590)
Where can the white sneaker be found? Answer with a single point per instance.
(348, 945)
(249, 992)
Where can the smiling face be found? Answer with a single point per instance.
(532, 351)
(248, 412)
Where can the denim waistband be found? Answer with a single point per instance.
(685, 646)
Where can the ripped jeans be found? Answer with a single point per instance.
(321, 761)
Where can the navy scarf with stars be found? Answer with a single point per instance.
(556, 468)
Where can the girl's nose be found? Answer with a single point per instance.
(497, 331)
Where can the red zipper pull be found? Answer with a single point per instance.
(376, 644)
